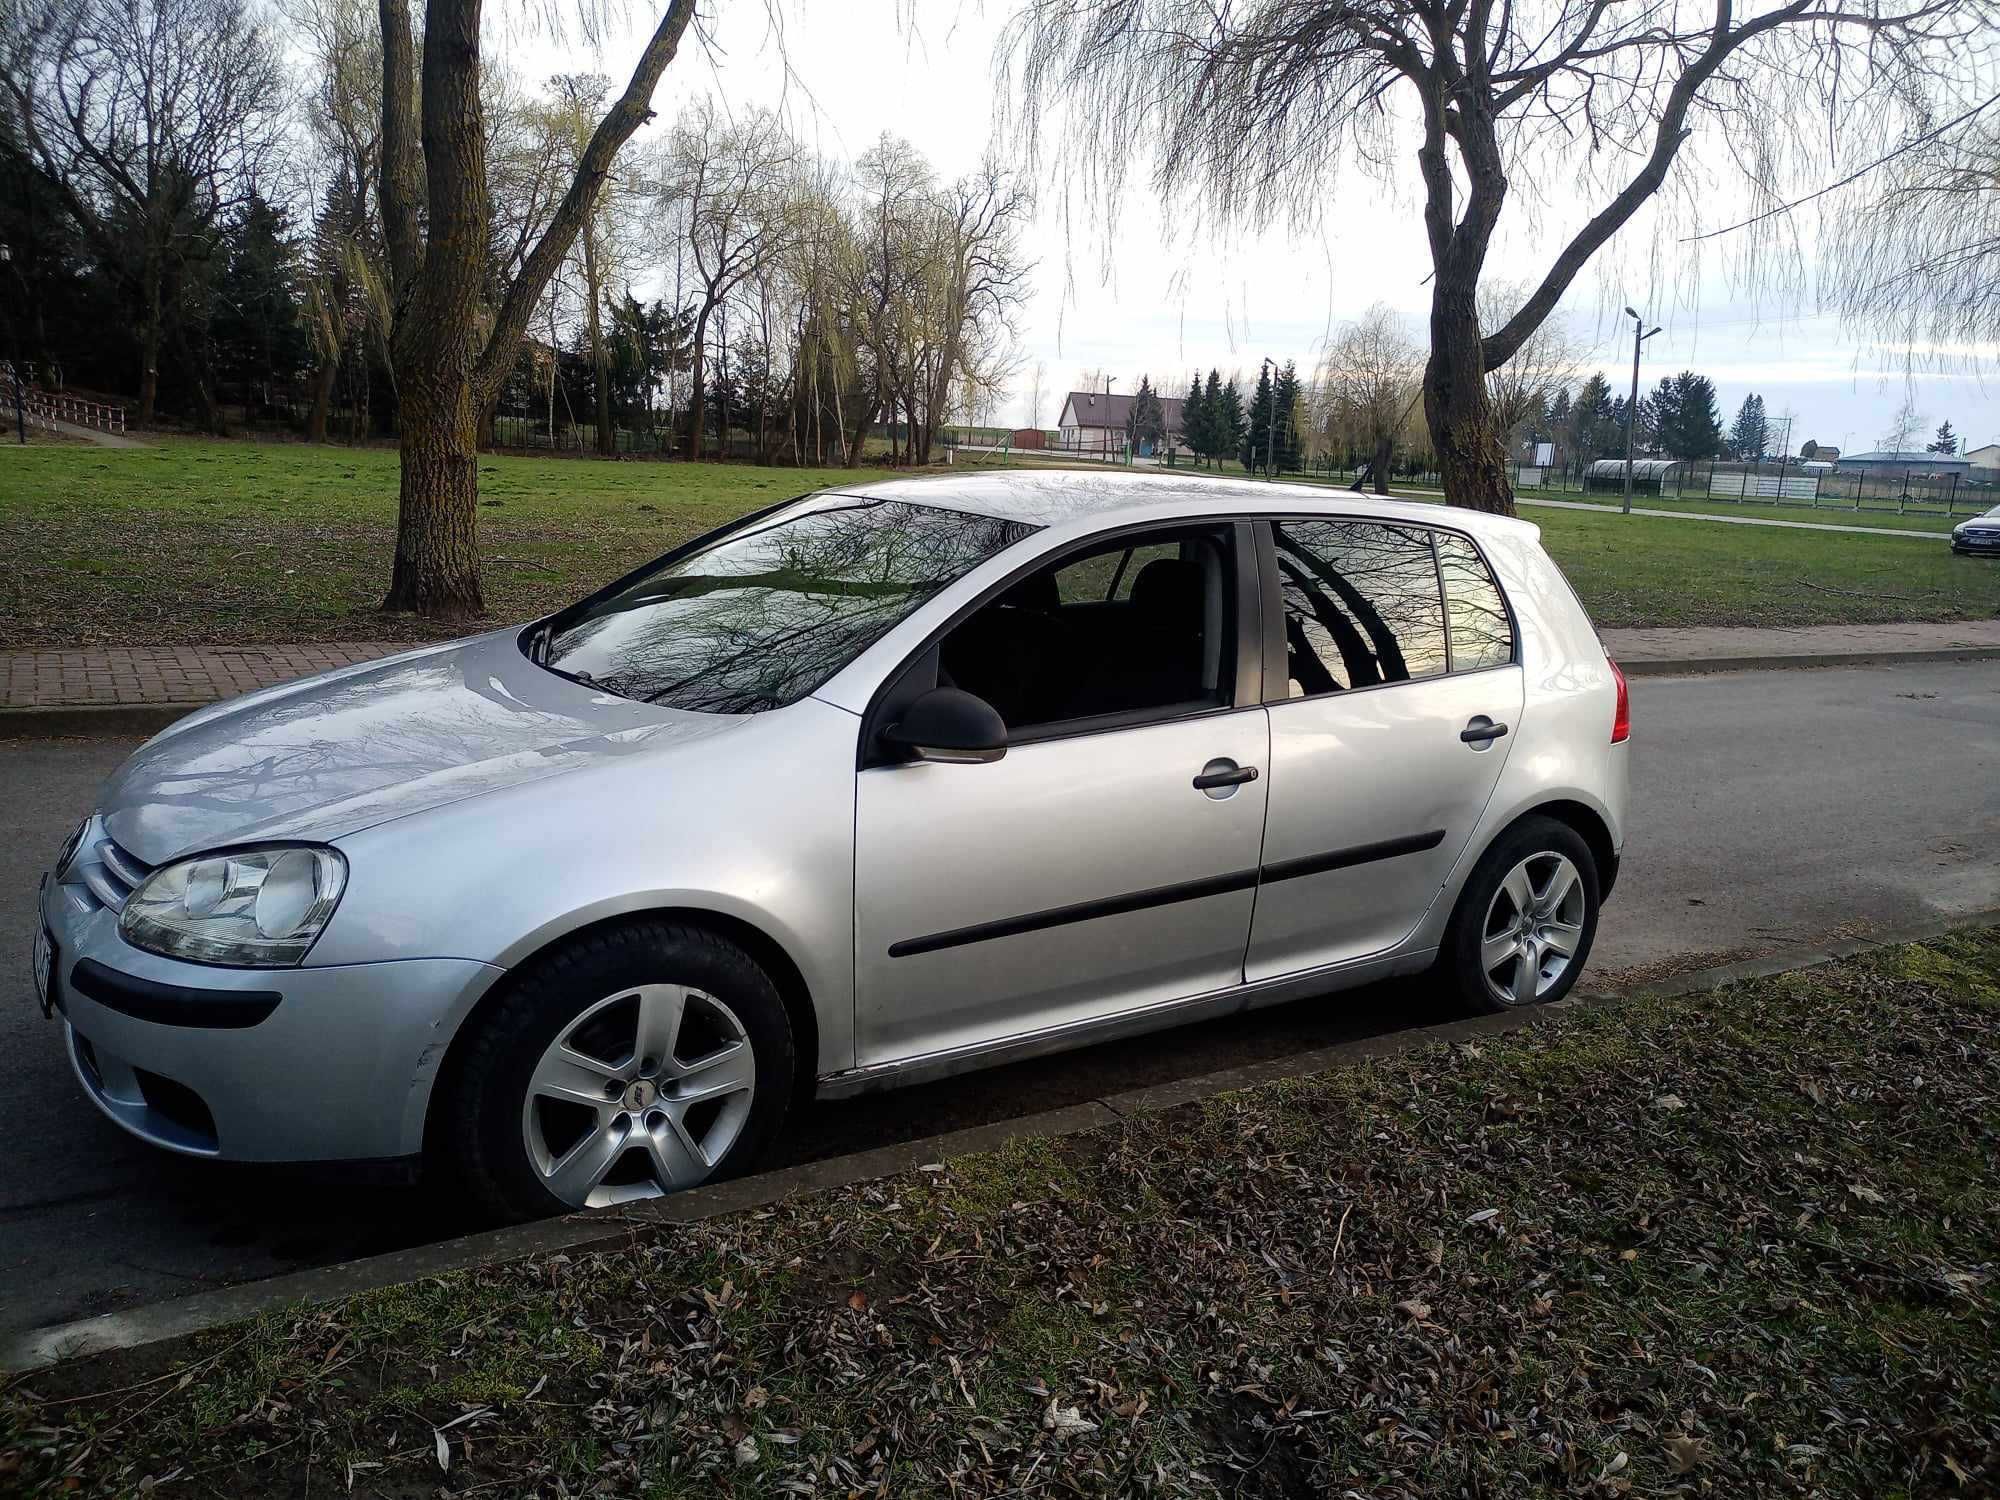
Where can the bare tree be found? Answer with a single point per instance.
(1903, 426)
(448, 360)
(729, 182)
(1036, 381)
(345, 281)
(1367, 387)
(152, 120)
(973, 281)
(1251, 106)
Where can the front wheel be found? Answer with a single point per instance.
(626, 1064)
(1526, 919)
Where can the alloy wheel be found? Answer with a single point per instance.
(1533, 928)
(643, 1093)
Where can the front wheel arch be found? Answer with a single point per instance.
(758, 944)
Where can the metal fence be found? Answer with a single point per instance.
(1787, 485)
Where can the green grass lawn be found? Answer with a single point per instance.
(1736, 1244)
(199, 541)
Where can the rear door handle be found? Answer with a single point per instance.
(1482, 731)
(1225, 774)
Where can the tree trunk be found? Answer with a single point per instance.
(489, 412)
(607, 439)
(322, 399)
(697, 363)
(437, 544)
(149, 346)
(1385, 455)
(1471, 463)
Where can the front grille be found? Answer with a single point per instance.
(108, 871)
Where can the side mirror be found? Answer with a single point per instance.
(950, 726)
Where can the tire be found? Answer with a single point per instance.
(1536, 846)
(527, 1121)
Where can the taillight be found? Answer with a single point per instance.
(1621, 718)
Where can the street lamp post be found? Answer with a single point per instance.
(1632, 406)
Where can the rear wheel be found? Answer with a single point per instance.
(1526, 919)
(630, 1063)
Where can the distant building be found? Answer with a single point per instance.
(1895, 462)
(1092, 422)
(1027, 437)
(1985, 463)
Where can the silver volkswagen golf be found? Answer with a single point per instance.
(869, 787)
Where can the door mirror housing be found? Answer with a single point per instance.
(951, 727)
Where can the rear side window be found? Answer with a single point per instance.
(1362, 605)
(1481, 634)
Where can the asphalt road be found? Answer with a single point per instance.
(1771, 811)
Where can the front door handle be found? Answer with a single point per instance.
(1481, 732)
(1218, 773)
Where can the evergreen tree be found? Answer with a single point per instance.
(1659, 417)
(1614, 429)
(1694, 429)
(1214, 429)
(1750, 433)
(1286, 394)
(1946, 440)
(1252, 444)
(1227, 414)
(1145, 423)
(1594, 428)
(1191, 415)
(258, 338)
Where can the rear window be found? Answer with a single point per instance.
(767, 613)
(1482, 635)
(1362, 605)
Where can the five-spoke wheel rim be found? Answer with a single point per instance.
(643, 1093)
(1533, 929)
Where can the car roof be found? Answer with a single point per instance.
(1051, 497)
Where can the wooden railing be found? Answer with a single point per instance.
(46, 409)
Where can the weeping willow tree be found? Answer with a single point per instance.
(1246, 110)
(1920, 262)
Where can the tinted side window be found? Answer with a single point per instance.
(1362, 605)
(1481, 633)
(1142, 628)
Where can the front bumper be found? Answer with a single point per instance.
(1962, 542)
(196, 1059)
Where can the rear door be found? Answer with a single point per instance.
(1390, 722)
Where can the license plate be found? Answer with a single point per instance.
(44, 963)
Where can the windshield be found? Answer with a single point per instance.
(762, 616)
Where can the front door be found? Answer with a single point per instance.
(1384, 753)
(1084, 874)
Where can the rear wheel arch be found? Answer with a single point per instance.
(1591, 827)
(767, 951)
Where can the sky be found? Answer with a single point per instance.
(1150, 295)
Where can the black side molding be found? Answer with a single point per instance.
(1083, 911)
(171, 1004)
(1360, 854)
(1168, 895)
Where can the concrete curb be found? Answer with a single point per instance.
(57, 720)
(1665, 666)
(71, 719)
(158, 1328)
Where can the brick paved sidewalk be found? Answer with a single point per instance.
(159, 675)
(164, 674)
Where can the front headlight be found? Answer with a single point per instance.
(252, 908)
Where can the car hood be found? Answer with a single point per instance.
(332, 754)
